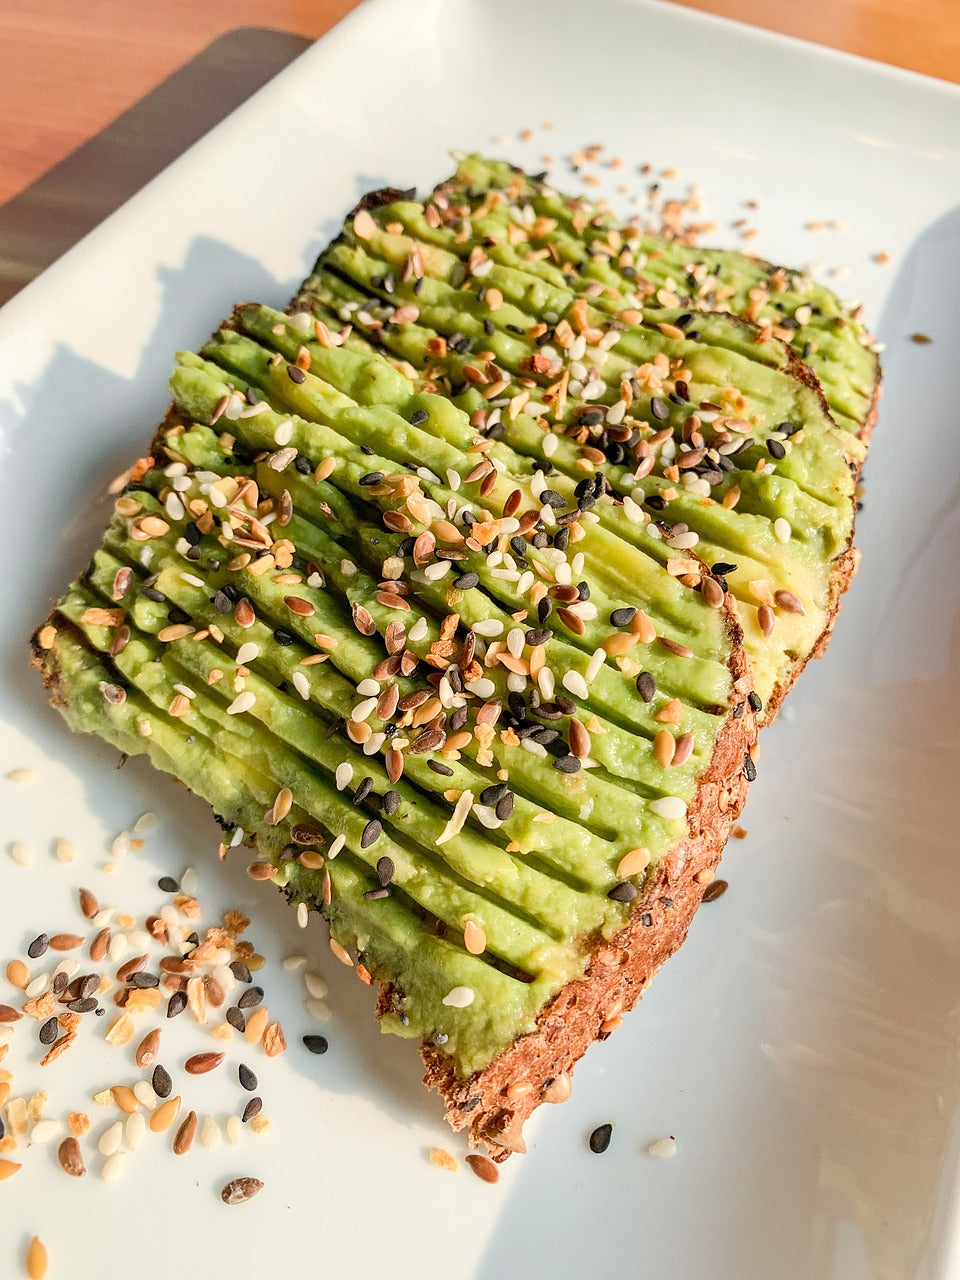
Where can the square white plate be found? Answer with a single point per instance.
(803, 1046)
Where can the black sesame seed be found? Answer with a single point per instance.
(646, 686)
(142, 981)
(371, 478)
(494, 794)
(504, 806)
(755, 701)
(176, 1004)
(235, 1018)
(167, 884)
(295, 374)
(567, 764)
(391, 802)
(38, 946)
(723, 567)
(561, 539)
(600, 1138)
(374, 895)
(538, 635)
(566, 706)
(776, 449)
(385, 870)
(253, 1108)
(222, 602)
(466, 581)
(659, 408)
(161, 1082)
(48, 1031)
(362, 791)
(301, 464)
(646, 919)
(439, 767)
(59, 984)
(316, 1044)
(749, 768)
(623, 892)
(85, 1005)
(622, 617)
(248, 1079)
(371, 833)
(250, 998)
(240, 971)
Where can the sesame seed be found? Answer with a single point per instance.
(459, 997)
(600, 1138)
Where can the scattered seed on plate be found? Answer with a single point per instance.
(113, 1166)
(240, 1190)
(483, 1167)
(185, 1135)
(663, 1148)
(600, 1138)
(252, 1109)
(36, 1259)
(316, 1044)
(21, 853)
(21, 775)
(71, 1158)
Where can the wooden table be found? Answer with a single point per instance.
(97, 96)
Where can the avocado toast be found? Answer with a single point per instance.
(414, 587)
(705, 421)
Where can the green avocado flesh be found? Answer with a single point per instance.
(496, 282)
(307, 586)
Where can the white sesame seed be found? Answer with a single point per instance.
(374, 743)
(65, 850)
(315, 985)
(418, 631)
(118, 947)
(663, 1148)
(363, 710)
(210, 1135)
(546, 683)
(37, 986)
(234, 1127)
(437, 570)
(303, 915)
(191, 579)
(782, 530)
(290, 963)
(237, 837)
(670, 807)
(486, 816)
(110, 1139)
(301, 684)
(482, 688)
(247, 652)
(283, 433)
(584, 609)
(525, 582)
(343, 775)
(683, 541)
(69, 965)
(44, 1130)
(189, 882)
(144, 1094)
(134, 1129)
(242, 702)
(551, 443)
(597, 659)
(173, 506)
(574, 683)
(368, 688)
(516, 683)
(348, 568)
(113, 1167)
(534, 748)
(336, 846)
(516, 641)
(459, 997)
(317, 1009)
(186, 691)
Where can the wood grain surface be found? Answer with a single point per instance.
(96, 96)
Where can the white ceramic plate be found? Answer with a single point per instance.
(803, 1046)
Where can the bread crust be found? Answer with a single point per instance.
(489, 1105)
